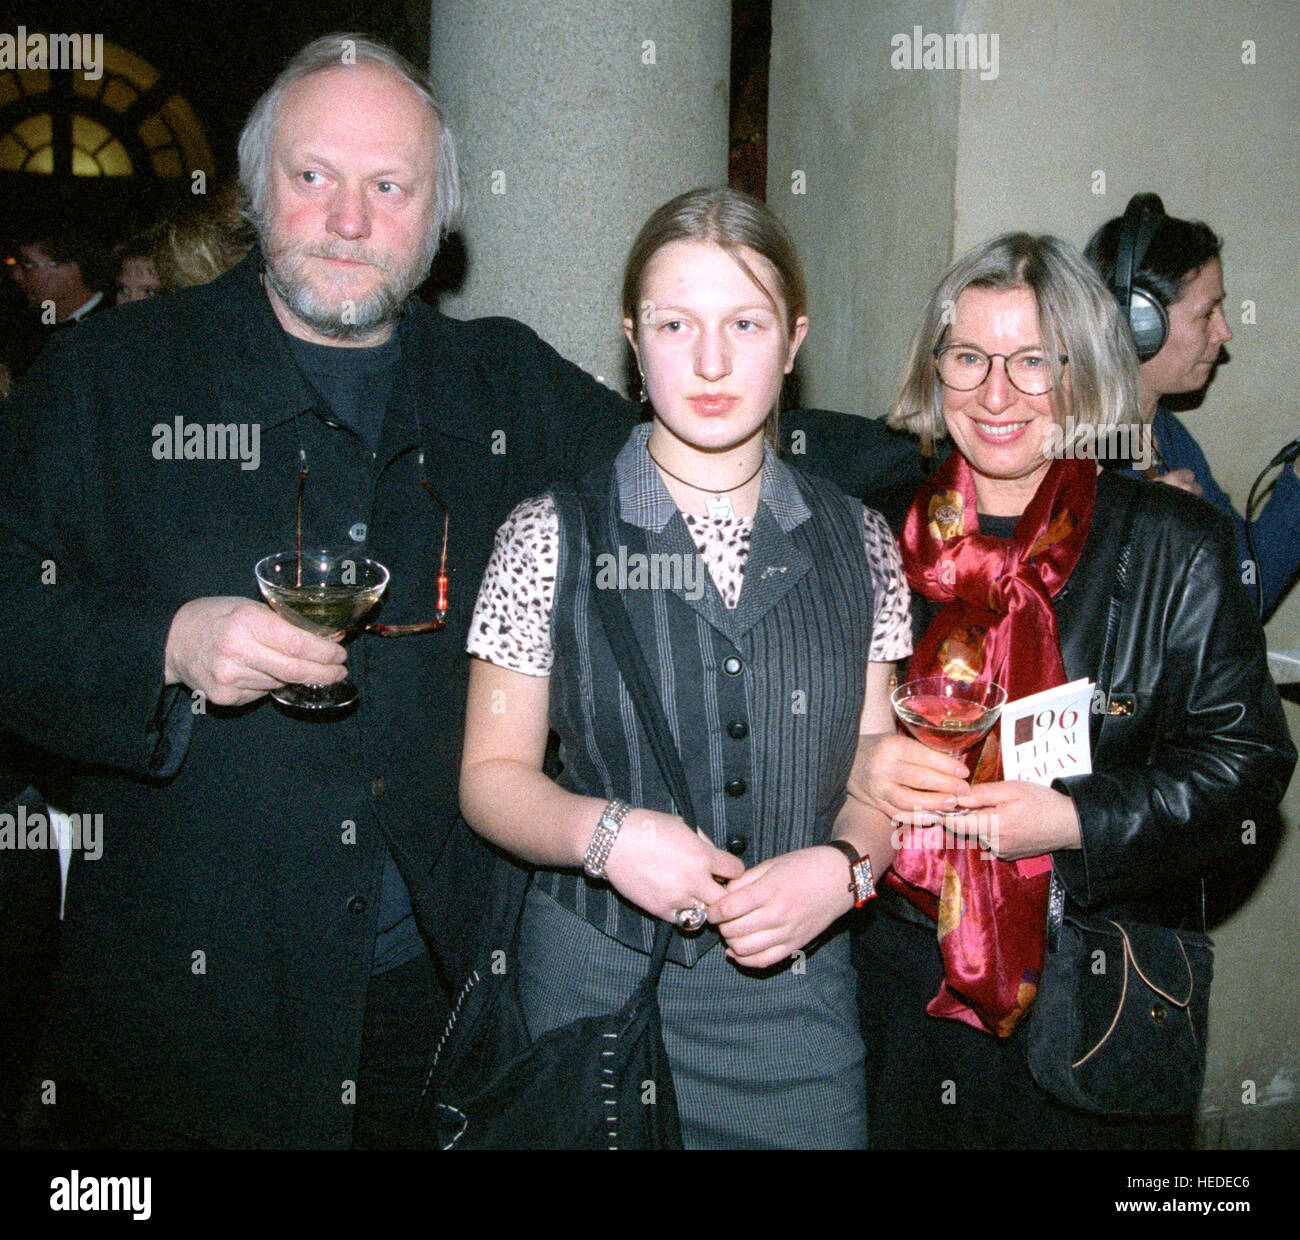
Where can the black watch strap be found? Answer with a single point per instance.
(862, 884)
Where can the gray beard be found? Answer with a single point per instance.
(355, 320)
(382, 307)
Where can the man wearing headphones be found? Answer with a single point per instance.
(1168, 278)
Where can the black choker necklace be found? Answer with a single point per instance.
(718, 507)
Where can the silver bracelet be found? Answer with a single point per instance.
(611, 818)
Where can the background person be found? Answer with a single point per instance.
(1014, 554)
(1177, 304)
(804, 597)
(61, 268)
(203, 241)
(137, 278)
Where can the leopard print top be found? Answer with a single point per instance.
(511, 626)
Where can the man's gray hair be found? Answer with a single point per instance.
(329, 52)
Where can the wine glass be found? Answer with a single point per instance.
(949, 715)
(326, 593)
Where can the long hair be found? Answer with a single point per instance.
(1077, 316)
(329, 52)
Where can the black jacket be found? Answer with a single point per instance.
(216, 956)
(1205, 752)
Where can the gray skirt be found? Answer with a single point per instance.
(759, 1062)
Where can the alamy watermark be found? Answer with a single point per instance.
(920, 50)
(31, 832)
(970, 831)
(1120, 441)
(53, 51)
(662, 571)
(179, 440)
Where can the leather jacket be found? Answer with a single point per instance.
(1198, 748)
(1193, 746)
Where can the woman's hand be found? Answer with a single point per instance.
(781, 905)
(661, 865)
(899, 776)
(1016, 819)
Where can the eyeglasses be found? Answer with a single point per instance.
(963, 368)
(440, 611)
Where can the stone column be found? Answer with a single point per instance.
(861, 165)
(575, 122)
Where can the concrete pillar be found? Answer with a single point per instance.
(575, 121)
(861, 164)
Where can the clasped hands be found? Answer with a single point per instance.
(764, 914)
(915, 786)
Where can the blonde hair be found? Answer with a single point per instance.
(204, 241)
(1077, 317)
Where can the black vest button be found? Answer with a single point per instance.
(357, 904)
(737, 729)
(736, 845)
(732, 665)
(735, 787)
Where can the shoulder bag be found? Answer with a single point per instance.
(603, 1082)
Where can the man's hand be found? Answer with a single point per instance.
(899, 776)
(1183, 479)
(781, 905)
(234, 650)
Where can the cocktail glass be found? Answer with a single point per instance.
(949, 715)
(326, 593)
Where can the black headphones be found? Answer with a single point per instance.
(1144, 311)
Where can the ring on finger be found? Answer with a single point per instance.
(691, 918)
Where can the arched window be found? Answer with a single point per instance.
(128, 121)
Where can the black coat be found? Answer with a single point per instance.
(215, 958)
(1203, 749)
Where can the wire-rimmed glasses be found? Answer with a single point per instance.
(963, 367)
(440, 610)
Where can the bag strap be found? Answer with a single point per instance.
(641, 688)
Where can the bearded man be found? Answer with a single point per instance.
(254, 955)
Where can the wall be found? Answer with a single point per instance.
(872, 213)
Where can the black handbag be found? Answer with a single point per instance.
(603, 1082)
(1119, 1023)
(595, 1084)
(1118, 1026)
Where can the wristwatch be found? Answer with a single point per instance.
(862, 886)
(611, 818)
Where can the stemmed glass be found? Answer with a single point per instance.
(949, 715)
(326, 593)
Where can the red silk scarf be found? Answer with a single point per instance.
(997, 623)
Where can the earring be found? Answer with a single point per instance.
(645, 399)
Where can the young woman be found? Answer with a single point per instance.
(772, 650)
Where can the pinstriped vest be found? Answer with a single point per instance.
(764, 701)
